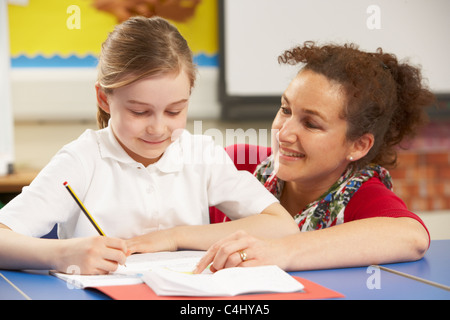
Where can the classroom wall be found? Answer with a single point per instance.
(56, 94)
(422, 176)
(6, 118)
(55, 44)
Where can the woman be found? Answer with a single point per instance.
(338, 126)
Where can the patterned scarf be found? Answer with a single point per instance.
(329, 209)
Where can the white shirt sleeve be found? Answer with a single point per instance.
(45, 201)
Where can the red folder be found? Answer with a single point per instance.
(143, 292)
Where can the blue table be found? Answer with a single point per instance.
(355, 283)
(373, 283)
(435, 266)
(37, 285)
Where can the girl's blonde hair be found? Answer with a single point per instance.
(139, 48)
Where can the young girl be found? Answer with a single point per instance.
(142, 177)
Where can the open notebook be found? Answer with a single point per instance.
(170, 273)
(226, 282)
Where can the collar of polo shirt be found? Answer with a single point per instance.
(169, 162)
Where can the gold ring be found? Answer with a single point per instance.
(243, 255)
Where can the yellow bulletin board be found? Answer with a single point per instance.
(69, 33)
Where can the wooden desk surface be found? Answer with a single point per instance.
(15, 182)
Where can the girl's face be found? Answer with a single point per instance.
(311, 136)
(147, 115)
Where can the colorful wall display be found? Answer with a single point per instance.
(69, 33)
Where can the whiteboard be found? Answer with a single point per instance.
(256, 32)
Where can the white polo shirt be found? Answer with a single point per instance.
(126, 198)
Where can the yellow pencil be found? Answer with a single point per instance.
(83, 208)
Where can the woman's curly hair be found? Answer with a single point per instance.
(384, 97)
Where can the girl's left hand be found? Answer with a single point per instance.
(163, 240)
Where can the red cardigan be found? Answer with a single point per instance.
(372, 199)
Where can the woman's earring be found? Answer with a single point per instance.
(350, 158)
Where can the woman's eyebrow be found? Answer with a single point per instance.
(315, 113)
(312, 112)
(305, 110)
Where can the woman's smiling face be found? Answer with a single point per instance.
(311, 145)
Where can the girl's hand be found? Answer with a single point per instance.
(95, 255)
(239, 250)
(163, 240)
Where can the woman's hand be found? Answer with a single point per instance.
(240, 250)
(95, 255)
